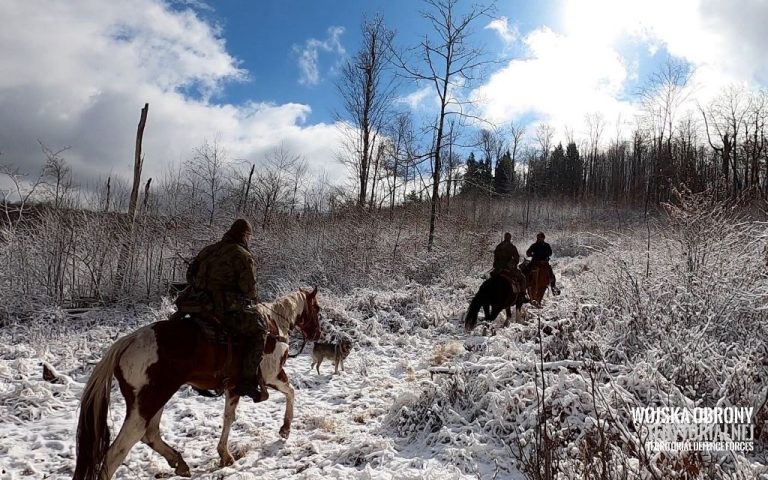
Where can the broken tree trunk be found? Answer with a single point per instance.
(127, 245)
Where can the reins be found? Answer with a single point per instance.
(291, 325)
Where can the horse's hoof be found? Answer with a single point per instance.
(183, 470)
(284, 432)
(226, 460)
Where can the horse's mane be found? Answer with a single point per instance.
(284, 311)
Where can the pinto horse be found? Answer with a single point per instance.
(153, 362)
(493, 296)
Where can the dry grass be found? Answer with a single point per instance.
(446, 351)
(326, 424)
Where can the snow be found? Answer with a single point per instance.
(422, 399)
(343, 426)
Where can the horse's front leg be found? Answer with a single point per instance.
(508, 311)
(283, 384)
(230, 406)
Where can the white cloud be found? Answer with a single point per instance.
(308, 56)
(415, 99)
(582, 70)
(559, 82)
(507, 33)
(77, 74)
(723, 40)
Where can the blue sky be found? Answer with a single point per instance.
(76, 73)
(266, 37)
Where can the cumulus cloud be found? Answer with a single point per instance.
(309, 54)
(558, 82)
(585, 68)
(77, 74)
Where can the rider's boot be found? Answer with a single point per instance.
(252, 381)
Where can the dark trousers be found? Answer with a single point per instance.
(251, 329)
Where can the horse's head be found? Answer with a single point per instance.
(309, 320)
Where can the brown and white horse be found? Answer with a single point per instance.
(153, 362)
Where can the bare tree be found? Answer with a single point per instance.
(17, 196)
(57, 174)
(273, 182)
(366, 94)
(516, 134)
(449, 63)
(207, 167)
(544, 135)
(661, 97)
(595, 126)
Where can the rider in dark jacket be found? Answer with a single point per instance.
(505, 260)
(540, 252)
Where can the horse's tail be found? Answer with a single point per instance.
(470, 319)
(92, 428)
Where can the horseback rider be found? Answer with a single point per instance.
(505, 260)
(222, 282)
(540, 252)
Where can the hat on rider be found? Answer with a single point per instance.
(540, 235)
(239, 230)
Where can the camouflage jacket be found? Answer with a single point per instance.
(225, 272)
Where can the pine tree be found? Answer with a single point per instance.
(557, 172)
(471, 176)
(503, 179)
(573, 170)
(486, 175)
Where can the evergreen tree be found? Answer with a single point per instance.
(503, 179)
(573, 170)
(486, 176)
(557, 172)
(472, 176)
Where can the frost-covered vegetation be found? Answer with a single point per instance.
(665, 313)
(675, 317)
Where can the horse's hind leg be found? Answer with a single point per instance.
(131, 432)
(230, 406)
(152, 438)
(282, 384)
(508, 311)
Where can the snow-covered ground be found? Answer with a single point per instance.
(343, 424)
(620, 337)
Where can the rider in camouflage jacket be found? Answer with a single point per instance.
(222, 282)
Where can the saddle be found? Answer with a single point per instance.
(511, 277)
(529, 265)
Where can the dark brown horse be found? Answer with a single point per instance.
(153, 362)
(493, 296)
